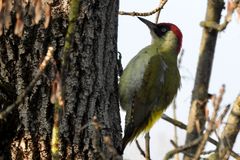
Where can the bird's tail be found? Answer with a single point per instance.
(128, 137)
(124, 144)
(130, 133)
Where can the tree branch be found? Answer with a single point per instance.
(211, 125)
(174, 122)
(147, 146)
(184, 126)
(72, 18)
(204, 68)
(175, 127)
(140, 149)
(158, 13)
(232, 5)
(179, 149)
(214, 25)
(230, 131)
(144, 13)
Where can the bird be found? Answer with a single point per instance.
(150, 80)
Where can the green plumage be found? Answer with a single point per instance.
(147, 86)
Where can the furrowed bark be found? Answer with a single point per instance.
(90, 85)
(29, 125)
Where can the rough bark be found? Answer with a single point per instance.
(196, 120)
(29, 126)
(90, 85)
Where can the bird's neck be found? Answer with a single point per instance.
(165, 49)
(167, 44)
(167, 53)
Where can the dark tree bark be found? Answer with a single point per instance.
(90, 85)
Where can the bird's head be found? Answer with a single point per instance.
(167, 35)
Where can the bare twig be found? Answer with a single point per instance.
(203, 73)
(55, 134)
(211, 125)
(175, 127)
(29, 88)
(206, 135)
(182, 148)
(145, 13)
(224, 113)
(147, 146)
(174, 122)
(208, 152)
(184, 126)
(173, 143)
(176, 146)
(203, 153)
(175, 107)
(72, 18)
(140, 148)
(57, 100)
(227, 20)
(230, 131)
(158, 13)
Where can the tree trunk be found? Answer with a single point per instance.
(90, 86)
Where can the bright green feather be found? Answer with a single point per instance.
(147, 86)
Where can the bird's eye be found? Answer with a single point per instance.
(163, 29)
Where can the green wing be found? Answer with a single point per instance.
(132, 78)
(143, 88)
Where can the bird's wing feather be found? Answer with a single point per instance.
(131, 79)
(145, 97)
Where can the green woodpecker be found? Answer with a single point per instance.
(151, 80)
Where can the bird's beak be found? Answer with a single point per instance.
(151, 26)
